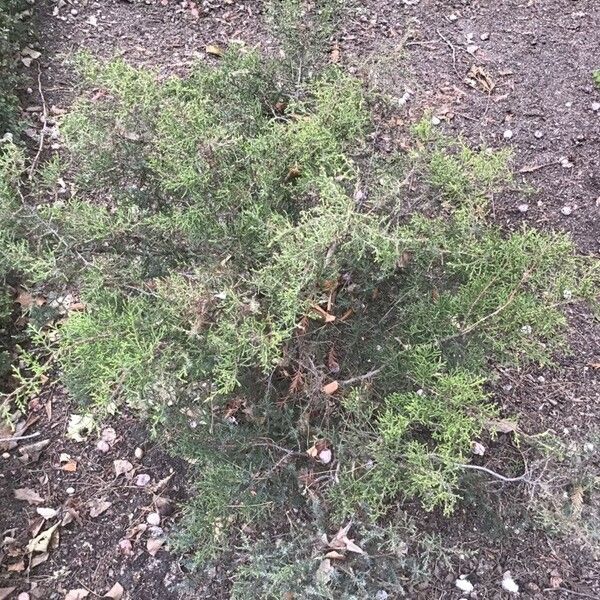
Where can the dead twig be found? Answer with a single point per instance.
(368, 375)
(494, 473)
(452, 48)
(36, 158)
(19, 438)
(573, 592)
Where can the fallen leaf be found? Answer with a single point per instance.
(153, 545)
(79, 427)
(122, 467)
(335, 54)
(109, 435)
(214, 50)
(70, 466)
(42, 541)
(17, 567)
(335, 554)
(325, 572)
(327, 317)
(6, 592)
(70, 516)
(46, 513)
(38, 560)
(126, 547)
(478, 77)
(330, 388)
(115, 592)
(342, 542)
(555, 579)
(27, 51)
(78, 594)
(28, 495)
(97, 506)
(31, 452)
(332, 363)
(595, 365)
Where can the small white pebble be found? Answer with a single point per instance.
(5, 455)
(509, 584)
(74, 12)
(70, 491)
(595, 106)
(538, 134)
(484, 37)
(508, 134)
(566, 210)
(452, 18)
(435, 120)
(523, 208)
(153, 518)
(526, 330)
(464, 585)
(139, 453)
(568, 104)
(565, 163)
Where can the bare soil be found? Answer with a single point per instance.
(537, 57)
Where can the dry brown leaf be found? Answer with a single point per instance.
(595, 365)
(297, 382)
(28, 495)
(214, 50)
(341, 541)
(17, 567)
(38, 560)
(153, 545)
(327, 317)
(478, 77)
(70, 516)
(335, 554)
(70, 466)
(577, 500)
(78, 594)
(332, 363)
(31, 452)
(335, 55)
(115, 592)
(325, 571)
(555, 579)
(98, 506)
(330, 388)
(6, 592)
(41, 542)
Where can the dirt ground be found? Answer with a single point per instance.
(512, 72)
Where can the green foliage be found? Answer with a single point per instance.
(231, 269)
(596, 77)
(12, 33)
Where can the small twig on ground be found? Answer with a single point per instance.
(19, 438)
(368, 375)
(493, 473)
(574, 593)
(451, 46)
(44, 121)
(532, 168)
